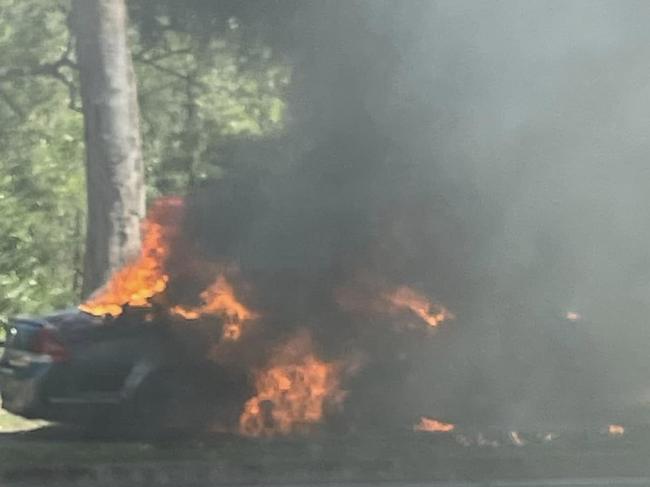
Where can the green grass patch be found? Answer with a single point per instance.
(10, 423)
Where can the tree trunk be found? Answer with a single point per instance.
(114, 169)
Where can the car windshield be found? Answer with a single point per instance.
(307, 242)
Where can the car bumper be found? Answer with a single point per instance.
(24, 393)
(20, 389)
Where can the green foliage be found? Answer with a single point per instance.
(32, 32)
(196, 95)
(41, 175)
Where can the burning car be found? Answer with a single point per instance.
(176, 341)
(131, 374)
(181, 340)
(123, 358)
(159, 347)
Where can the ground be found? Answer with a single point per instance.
(35, 453)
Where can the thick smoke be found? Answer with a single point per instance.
(491, 155)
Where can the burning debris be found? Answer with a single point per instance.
(573, 316)
(406, 298)
(433, 426)
(401, 303)
(615, 430)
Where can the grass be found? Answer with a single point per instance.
(10, 423)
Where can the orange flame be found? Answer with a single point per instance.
(137, 282)
(615, 430)
(292, 392)
(220, 299)
(433, 426)
(406, 298)
(403, 298)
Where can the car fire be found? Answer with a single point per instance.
(293, 388)
(292, 391)
(407, 236)
(293, 381)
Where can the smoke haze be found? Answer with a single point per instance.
(494, 156)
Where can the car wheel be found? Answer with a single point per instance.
(169, 404)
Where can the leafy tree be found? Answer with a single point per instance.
(41, 179)
(196, 94)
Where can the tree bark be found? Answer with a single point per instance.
(114, 168)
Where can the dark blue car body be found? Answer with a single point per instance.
(76, 368)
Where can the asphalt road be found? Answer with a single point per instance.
(621, 482)
(633, 482)
(62, 457)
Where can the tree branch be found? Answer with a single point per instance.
(72, 90)
(12, 104)
(52, 70)
(165, 69)
(141, 56)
